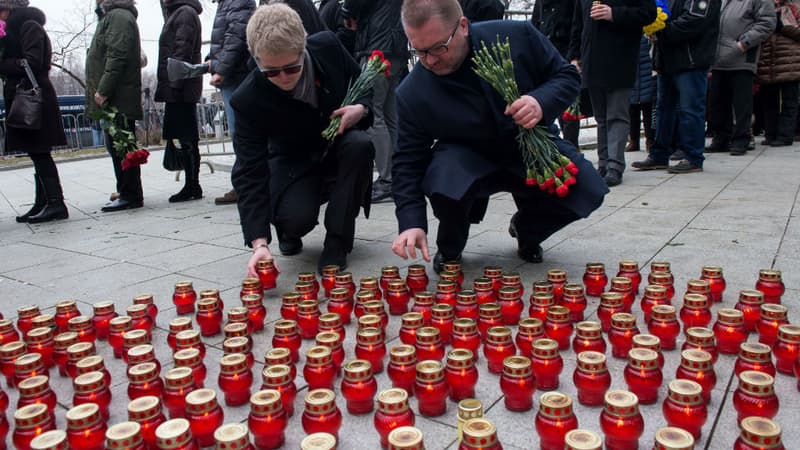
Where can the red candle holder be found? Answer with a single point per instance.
(445, 293)
(610, 304)
(540, 302)
(554, 420)
(184, 297)
(489, 316)
(772, 316)
(558, 278)
(75, 353)
(267, 420)
(468, 409)
(310, 277)
(362, 298)
(624, 287)
(699, 287)
(267, 274)
(398, 296)
(345, 280)
(308, 318)
(332, 340)
(769, 282)
(558, 326)
(118, 327)
(716, 282)
(588, 337)
(455, 267)
(8, 333)
(276, 356)
(191, 359)
(479, 434)
(431, 388)
(359, 386)
(233, 435)
(280, 378)
(40, 340)
(371, 347)
(341, 302)
(306, 290)
(729, 330)
(372, 321)
(494, 274)
(86, 430)
(101, 320)
(754, 356)
(287, 336)
(417, 280)
(755, 396)
(461, 374)
(25, 315)
(654, 294)
(176, 434)
(630, 269)
(759, 433)
(595, 279)
(239, 344)
(467, 305)
(698, 338)
(484, 291)
(787, 348)
(370, 285)
(375, 308)
(530, 329)
(591, 378)
(642, 374)
(28, 365)
(289, 304)
(204, 415)
(511, 306)
(147, 412)
(83, 326)
(34, 390)
(650, 342)
(684, 407)
(465, 336)
(410, 323)
(43, 321)
(623, 329)
(65, 310)
(621, 422)
(319, 371)
(695, 311)
(209, 317)
(141, 354)
(179, 381)
(660, 266)
(428, 344)
(321, 414)
(498, 347)
(749, 304)
(124, 436)
(148, 302)
(423, 304)
(442, 318)
(542, 287)
(512, 279)
(235, 379)
(574, 300)
(402, 369)
(388, 273)
(143, 380)
(393, 413)
(664, 325)
(547, 363)
(582, 440)
(132, 339)
(329, 278)
(91, 387)
(696, 365)
(239, 315)
(29, 422)
(251, 286)
(518, 383)
(8, 356)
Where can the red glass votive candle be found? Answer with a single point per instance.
(660, 266)
(43, 320)
(53, 440)
(467, 305)
(29, 422)
(695, 311)
(664, 325)
(184, 297)
(279, 377)
(543, 287)
(345, 280)
(375, 308)
(621, 422)
(554, 419)
(359, 386)
(238, 329)
(306, 291)
(235, 379)
(511, 279)
(610, 304)
(650, 342)
(371, 321)
(729, 330)
(34, 390)
(371, 347)
(410, 323)
(699, 287)
(750, 301)
(398, 296)
(787, 348)
(328, 278)
(289, 305)
(8, 333)
(287, 336)
(134, 338)
(518, 383)
(447, 275)
(321, 415)
(595, 279)
(431, 388)
(267, 273)
(8, 356)
(60, 344)
(309, 277)
(101, 320)
(465, 336)
(179, 381)
(239, 344)
(582, 440)
(754, 356)
(388, 273)
(558, 278)
(319, 371)
(125, 436)
(642, 374)
(423, 304)
(684, 407)
(480, 434)
(118, 327)
(86, 430)
(341, 302)
(772, 316)
(623, 329)
(759, 433)
(256, 312)
(445, 293)
(468, 409)
(557, 326)
(65, 310)
(654, 294)
(141, 354)
(530, 329)
(147, 412)
(630, 269)
(442, 317)
(455, 267)
(143, 380)
(332, 340)
(716, 282)
(624, 287)
(574, 300)
(547, 363)
(75, 353)
(251, 286)
(267, 420)
(147, 301)
(494, 274)
(308, 318)
(92, 388)
(402, 367)
(591, 378)
(28, 365)
(369, 285)
(588, 337)
(83, 326)
(770, 283)
(540, 302)
(209, 317)
(428, 344)
(498, 347)
(511, 306)
(282, 356)
(461, 374)
(696, 365)
(25, 315)
(701, 339)
(484, 291)
(362, 298)
(489, 316)
(176, 434)
(755, 395)
(417, 279)
(93, 363)
(239, 315)
(233, 436)
(394, 414)
(40, 340)
(204, 415)
(191, 359)
(213, 293)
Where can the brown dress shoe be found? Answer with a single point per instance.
(230, 197)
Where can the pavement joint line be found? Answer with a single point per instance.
(786, 227)
(720, 410)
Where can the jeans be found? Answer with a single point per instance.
(611, 111)
(227, 93)
(384, 130)
(681, 103)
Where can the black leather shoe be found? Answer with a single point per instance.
(649, 164)
(187, 193)
(120, 204)
(530, 253)
(677, 155)
(290, 246)
(612, 178)
(439, 259)
(381, 197)
(718, 147)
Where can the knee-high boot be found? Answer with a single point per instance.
(191, 163)
(54, 207)
(38, 202)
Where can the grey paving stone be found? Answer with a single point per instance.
(186, 256)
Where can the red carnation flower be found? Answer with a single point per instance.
(562, 191)
(572, 168)
(530, 181)
(377, 54)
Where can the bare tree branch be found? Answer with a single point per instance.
(77, 79)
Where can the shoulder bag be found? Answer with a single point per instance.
(26, 109)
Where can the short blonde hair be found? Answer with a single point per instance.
(416, 13)
(275, 28)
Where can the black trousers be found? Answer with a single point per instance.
(44, 165)
(539, 214)
(343, 180)
(780, 104)
(570, 130)
(642, 114)
(129, 182)
(731, 106)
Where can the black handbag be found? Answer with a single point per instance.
(26, 109)
(173, 157)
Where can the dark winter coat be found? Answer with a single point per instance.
(113, 61)
(689, 40)
(554, 19)
(330, 11)
(380, 28)
(180, 39)
(482, 10)
(748, 22)
(25, 38)
(228, 53)
(644, 90)
(278, 138)
(780, 53)
(609, 50)
(309, 15)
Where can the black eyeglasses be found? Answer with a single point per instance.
(291, 69)
(436, 50)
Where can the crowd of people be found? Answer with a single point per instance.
(436, 134)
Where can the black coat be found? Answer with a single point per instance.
(25, 38)
(228, 52)
(482, 10)
(644, 90)
(278, 138)
(554, 19)
(180, 39)
(330, 11)
(309, 15)
(689, 41)
(379, 28)
(609, 50)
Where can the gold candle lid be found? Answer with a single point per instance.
(427, 335)
(209, 293)
(621, 403)
(278, 355)
(206, 304)
(40, 334)
(623, 321)
(124, 323)
(479, 433)
(751, 297)
(756, 383)
(643, 358)
(611, 299)
(696, 360)
(141, 353)
(468, 297)
(144, 408)
(231, 436)
(573, 290)
(430, 371)
(318, 355)
(344, 278)
(277, 375)
(769, 275)
(557, 275)
(423, 298)
(142, 373)
(446, 285)
(465, 326)
(318, 441)
(200, 401)
(789, 333)
(442, 311)
(397, 285)
(685, 392)
(645, 340)
(629, 265)
(405, 438)
(588, 329)
(179, 377)
(252, 283)
(673, 438)
(137, 337)
(517, 366)
(30, 416)
(698, 286)
(89, 382)
(91, 363)
(773, 311)
(761, 432)
(309, 306)
(712, 272)
(658, 291)
(621, 284)
(374, 307)
(83, 416)
(29, 362)
(509, 293)
(545, 348)
(63, 340)
(469, 408)
(393, 401)
(251, 301)
(498, 335)
(595, 268)
(28, 311)
(330, 270)
(543, 286)
(79, 323)
(582, 440)
(695, 301)
(329, 321)
(592, 362)
(542, 300)
(173, 434)
(304, 287)
(290, 298)
(403, 354)
(330, 339)
(320, 402)
(12, 350)
(187, 357)
(234, 363)
(138, 310)
(390, 271)
(33, 386)
(555, 405)
(367, 336)
(489, 310)
(700, 336)
(123, 436)
(369, 321)
(236, 329)
(660, 266)
(729, 316)
(664, 313)
(183, 286)
(266, 402)
(755, 352)
(50, 440)
(238, 314)
(6, 325)
(460, 358)
(416, 269)
(357, 370)
(531, 326)
(238, 344)
(558, 313)
(43, 320)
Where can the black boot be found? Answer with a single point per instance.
(38, 202)
(54, 208)
(191, 189)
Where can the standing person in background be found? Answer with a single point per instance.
(482, 10)
(180, 39)
(642, 98)
(26, 40)
(114, 78)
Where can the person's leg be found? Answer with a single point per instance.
(538, 216)
(115, 161)
(790, 92)
(769, 94)
(570, 131)
(131, 184)
(634, 113)
(382, 139)
(191, 190)
(54, 207)
(720, 117)
(741, 83)
(666, 104)
(230, 117)
(38, 200)
(599, 102)
(617, 130)
(647, 120)
(692, 86)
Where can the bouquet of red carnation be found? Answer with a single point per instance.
(573, 113)
(545, 165)
(376, 65)
(115, 124)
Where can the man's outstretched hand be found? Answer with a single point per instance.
(261, 251)
(411, 239)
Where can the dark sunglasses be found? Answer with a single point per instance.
(291, 69)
